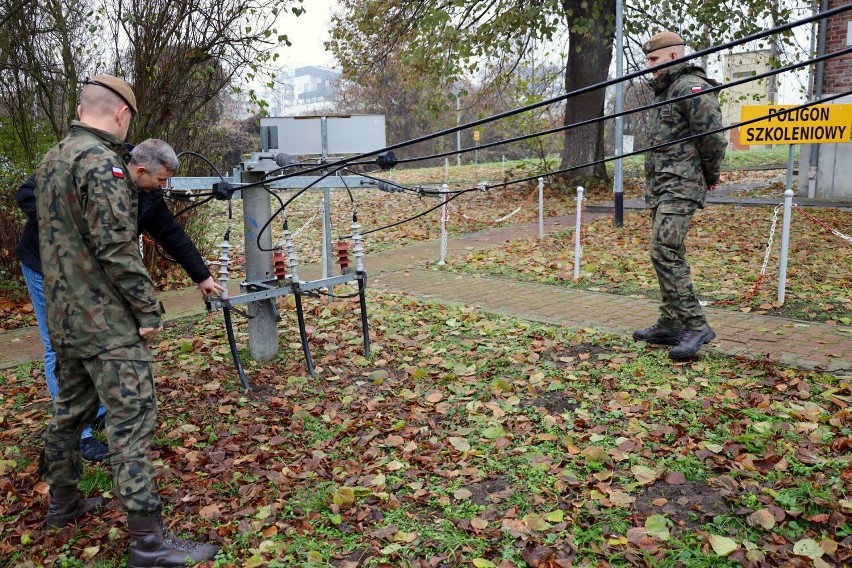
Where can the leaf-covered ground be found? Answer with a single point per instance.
(725, 247)
(464, 440)
(476, 211)
(471, 212)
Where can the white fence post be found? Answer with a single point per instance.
(578, 249)
(540, 208)
(785, 243)
(444, 218)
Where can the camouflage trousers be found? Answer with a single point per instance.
(679, 308)
(123, 380)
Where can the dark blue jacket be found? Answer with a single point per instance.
(155, 218)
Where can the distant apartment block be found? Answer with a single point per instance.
(303, 90)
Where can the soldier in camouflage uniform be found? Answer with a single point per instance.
(101, 308)
(677, 177)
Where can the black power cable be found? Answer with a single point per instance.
(650, 106)
(584, 90)
(517, 181)
(352, 160)
(199, 156)
(286, 203)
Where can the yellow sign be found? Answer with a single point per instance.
(476, 135)
(815, 124)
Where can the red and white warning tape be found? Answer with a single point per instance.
(825, 226)
(500, 219)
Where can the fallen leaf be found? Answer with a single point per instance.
(478, 523)
(210, 511)
(537, 557)
(344, 498)
(435, 396)
(621, 498)
(462, 494)
(644, 474)
(493, 432)
(595, 454)
(808, 547)
(461, 444)
(722, 545)
(636, 534)
(658, 526)
(90, 552)
(762, 518)
(675, 478)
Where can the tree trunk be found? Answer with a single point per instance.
(591, 35)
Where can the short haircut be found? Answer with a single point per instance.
(152, 154)
(99, 100)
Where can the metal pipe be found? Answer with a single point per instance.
(818, 92)
(444, 214)
(785, 243)
(618, 181)
(578, 249)
(540, 208)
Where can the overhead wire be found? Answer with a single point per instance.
(336, 166)
(457, 193)
(712, 89)
(284, 204)
(584, 90)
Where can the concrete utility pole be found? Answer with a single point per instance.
(263, 324)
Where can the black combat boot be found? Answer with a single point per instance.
(657, 334)
(66, 505)
(152, 545)
(690, 342)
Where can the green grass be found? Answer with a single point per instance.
(358, 464)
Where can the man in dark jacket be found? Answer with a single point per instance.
(677, 177)
(154, 218)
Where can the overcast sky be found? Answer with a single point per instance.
(307, 33)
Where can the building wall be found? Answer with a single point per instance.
(833, 176)
(833, 179)
(838, 70)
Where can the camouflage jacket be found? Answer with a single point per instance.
(97, 290)
(683, 170)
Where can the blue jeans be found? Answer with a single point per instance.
(36, 290)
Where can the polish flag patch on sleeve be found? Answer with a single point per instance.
(117, 172)
(697, 89)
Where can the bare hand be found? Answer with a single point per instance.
(210, 286)
(716, 185)
(150, 332)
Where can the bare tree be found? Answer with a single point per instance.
(42, 46)
(180, 56)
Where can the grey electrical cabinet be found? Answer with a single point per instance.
(323, 135)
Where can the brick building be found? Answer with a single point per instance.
(838, 35)
(825, 170)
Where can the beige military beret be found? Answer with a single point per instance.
(661, 40)
(117, 86)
